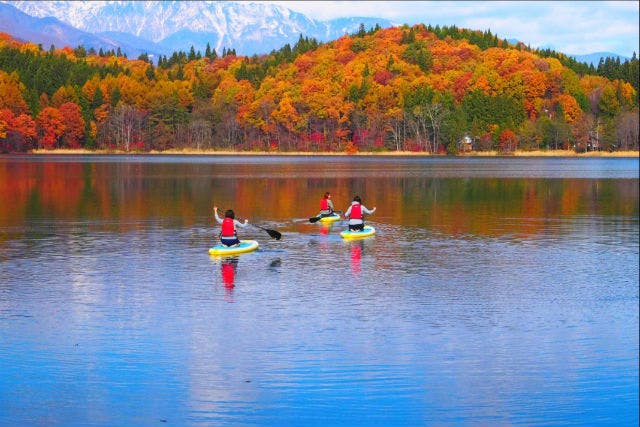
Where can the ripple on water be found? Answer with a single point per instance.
(509, 320)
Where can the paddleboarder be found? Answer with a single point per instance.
(356, 212)
(228, 233)
(326, 205)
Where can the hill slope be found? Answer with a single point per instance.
(402, 88)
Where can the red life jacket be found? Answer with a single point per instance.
(228, 229)
(356, 211)
(324, 204)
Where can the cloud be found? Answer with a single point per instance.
(575, 27)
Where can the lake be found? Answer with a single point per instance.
(496, 291)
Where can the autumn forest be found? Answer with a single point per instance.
(421, 88)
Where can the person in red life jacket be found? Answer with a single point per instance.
(326, 205)
(356, 212)
(228, 234)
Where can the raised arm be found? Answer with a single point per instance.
(369, 211)
(215, 214)
(241, 224)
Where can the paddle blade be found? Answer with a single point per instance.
(273, 233)
(314, 219)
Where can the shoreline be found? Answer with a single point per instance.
(539, 153)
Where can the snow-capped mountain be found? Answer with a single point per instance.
(29, 29)
(177, 25)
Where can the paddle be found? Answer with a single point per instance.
(273, 233)
(314, 219)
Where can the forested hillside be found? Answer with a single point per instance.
(438, 90)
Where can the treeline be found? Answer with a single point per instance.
(45, 72)
(609, 67)
(420, 88)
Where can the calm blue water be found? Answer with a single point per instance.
(496, 292)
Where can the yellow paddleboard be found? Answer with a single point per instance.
(243, 247)
(366, 232)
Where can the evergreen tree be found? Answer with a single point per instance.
(115, 96)
(98, 99)
(633, 77)
(80, 52)
(150, 72)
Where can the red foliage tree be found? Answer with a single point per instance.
(17, 131)
(74, 125)
(508, 141)
(50, 127)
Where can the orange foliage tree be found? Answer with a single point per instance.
(11, 90)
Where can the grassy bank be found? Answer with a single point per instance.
(560, 153)
(192, 152)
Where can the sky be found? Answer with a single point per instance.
(571, 27)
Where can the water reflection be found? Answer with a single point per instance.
(275, 264)
(325, 228)
(228, 267)
(356, 249)
(486, 294)
(117, 195)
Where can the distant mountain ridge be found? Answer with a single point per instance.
(29, 29)
(169, 26)
(589, 58)
(594, 58)
(163, 27)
